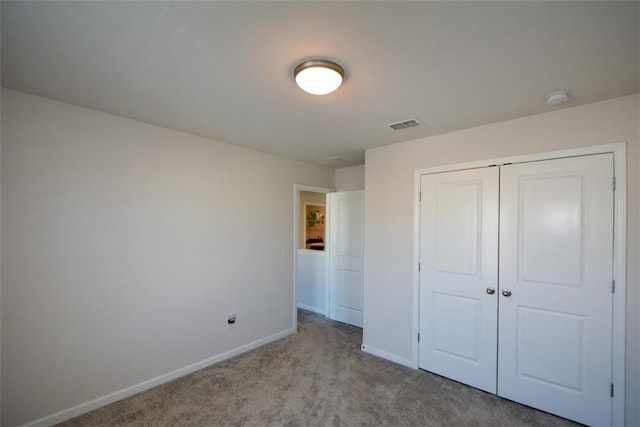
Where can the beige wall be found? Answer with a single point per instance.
(389, 235)
(124, 248)
(351, 178)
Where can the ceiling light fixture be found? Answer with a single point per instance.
(318, 76)
(557, 98)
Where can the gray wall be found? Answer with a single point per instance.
(125, 246)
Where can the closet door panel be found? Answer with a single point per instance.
(458, 256)
(556, 240)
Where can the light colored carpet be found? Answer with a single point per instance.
(318, 377)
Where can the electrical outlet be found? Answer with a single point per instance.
(231, 319)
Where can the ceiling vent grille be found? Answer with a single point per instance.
(404, 124)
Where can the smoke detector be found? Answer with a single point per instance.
(339, 159)
(557, 98)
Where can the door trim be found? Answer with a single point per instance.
(297, 188)
(619, 251)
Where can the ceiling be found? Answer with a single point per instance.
(223, 70)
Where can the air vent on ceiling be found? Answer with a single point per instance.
(404, 124)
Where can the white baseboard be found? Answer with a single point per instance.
(391, 357)
(311, 308)
(85, 407)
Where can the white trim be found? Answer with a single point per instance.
(312, 308)
(388, 356)
(297, 188)
(618, 368)
(328, 228)
(311, 252)
(85, 407)
(619, 252)
(548, 155)
(416, 275)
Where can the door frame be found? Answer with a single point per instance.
(297, 188)
(619, 250)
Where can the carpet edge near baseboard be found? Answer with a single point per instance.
(312, 309)
(389, 356)
(82, 408)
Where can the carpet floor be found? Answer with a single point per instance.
(317, 377)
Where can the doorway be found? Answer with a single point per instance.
(310, 259)
(328, 260)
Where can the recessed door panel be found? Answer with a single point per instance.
(458, 256)
(551, 209)
(457, 227)
(349, 289)
(348, 213)
(457, 326)
(560, 362)
(556, 240)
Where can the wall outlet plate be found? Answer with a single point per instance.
(231, 319)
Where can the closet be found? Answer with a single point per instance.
(515, 282)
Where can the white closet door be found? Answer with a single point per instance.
(556, 240)
(346, 254)
(458, 279)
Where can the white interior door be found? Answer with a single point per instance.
(556, 240)
(345, 250)
(459, 275)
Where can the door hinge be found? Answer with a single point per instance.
(613, 286)
(611, 389)
(420, 196)
(418, 337)
(419, 266)
(614, 183)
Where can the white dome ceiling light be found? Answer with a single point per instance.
(318, 76)
(557, 98)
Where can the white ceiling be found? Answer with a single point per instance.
(223, 70)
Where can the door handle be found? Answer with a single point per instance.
(491, 291)
(506, 292)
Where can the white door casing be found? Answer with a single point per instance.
(556, 242)
(556, 260)
(346, 254)
(459, 275)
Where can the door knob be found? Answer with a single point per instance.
(491, 291)
(506, 292)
